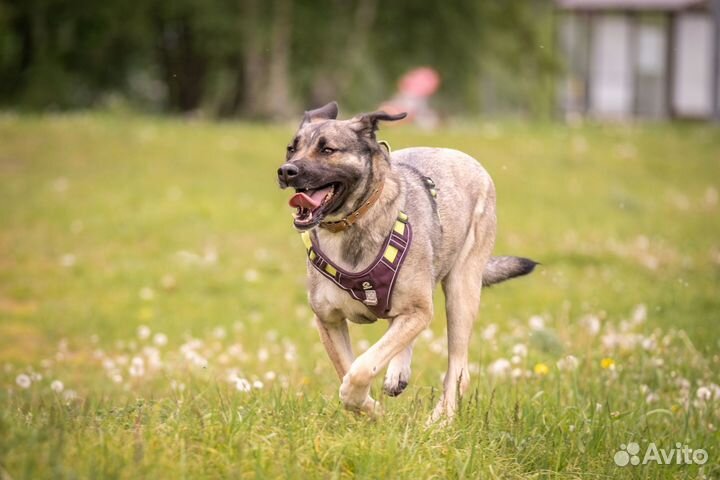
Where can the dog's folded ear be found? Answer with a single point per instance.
(367, 123)
(326, 112)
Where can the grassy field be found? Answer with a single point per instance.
(153, 321)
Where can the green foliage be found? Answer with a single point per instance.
(271, 59)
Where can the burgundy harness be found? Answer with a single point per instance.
(374, 285)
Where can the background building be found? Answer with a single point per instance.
(640, 58)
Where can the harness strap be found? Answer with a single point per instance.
(373, 286)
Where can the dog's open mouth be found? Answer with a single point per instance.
(312, 203)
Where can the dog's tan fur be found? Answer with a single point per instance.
(454, 235)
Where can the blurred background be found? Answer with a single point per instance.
(272, 59)
(153, 307)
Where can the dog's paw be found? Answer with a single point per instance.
(442, 414)
(393, 388)
(396, 380)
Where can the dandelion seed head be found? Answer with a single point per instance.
(23, 381)
(137, 367)
(146, 293)
(568, 363)
(520, 350)
(57, 386)
(536, 322)
(489, 332)
(499, 368)
(242, 385)
(143, 332)
(70, 395)
(68, 260)
(591, 324)
(160, 339)
(263, 355)
(251, 275)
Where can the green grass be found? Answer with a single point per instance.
(109, 223)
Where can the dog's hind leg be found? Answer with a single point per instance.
(398, 372)
(462, 287)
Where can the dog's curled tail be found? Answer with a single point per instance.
(499, 269)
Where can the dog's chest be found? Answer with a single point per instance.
(327, 300)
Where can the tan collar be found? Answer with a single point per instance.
(348, 221)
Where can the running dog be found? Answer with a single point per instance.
(381, 229)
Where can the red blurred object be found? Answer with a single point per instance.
(419, 82)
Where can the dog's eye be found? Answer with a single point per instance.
(328, 150)
(290, 149)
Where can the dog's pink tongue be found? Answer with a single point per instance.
(311, 201)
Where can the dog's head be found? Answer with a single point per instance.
(333, 165)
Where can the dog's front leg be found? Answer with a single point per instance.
(355, 388)
(335, 337)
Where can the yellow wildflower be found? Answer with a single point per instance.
(607, 363)
(541, 369)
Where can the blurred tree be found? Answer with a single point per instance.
(266, 59)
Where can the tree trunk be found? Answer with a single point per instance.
(279, 102)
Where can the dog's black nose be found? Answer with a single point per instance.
(287, 172)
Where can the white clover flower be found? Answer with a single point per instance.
(499, 368)
(520, 350)
(257, 384)
(160, 339)
(568, 363)
(363, 345)
(242, 385)
(57, 386)
(23, 381)
(536, 322)
(270, 376)
(143, 332)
